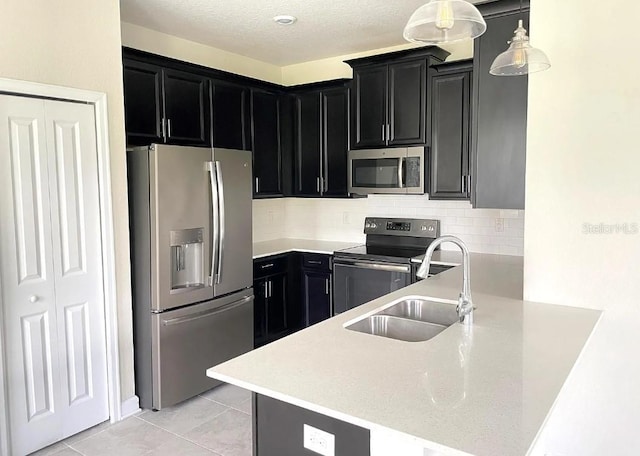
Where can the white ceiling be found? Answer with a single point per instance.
(325, 28)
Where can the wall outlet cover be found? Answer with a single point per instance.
(319, 441)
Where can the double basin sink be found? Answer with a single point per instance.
(411, 319)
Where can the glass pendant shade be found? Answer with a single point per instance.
(444, 21)
(520, 58)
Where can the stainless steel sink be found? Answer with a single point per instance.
(411, 319)
(439, 313)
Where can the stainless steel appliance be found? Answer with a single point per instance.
(399, 171)
(190, 216)
(383, 264)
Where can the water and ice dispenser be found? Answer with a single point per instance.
(187, 259)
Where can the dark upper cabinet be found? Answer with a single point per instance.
(407, 103)
(186, 108)
(231, 116)
(389, 98)
(450, 126)
(369, 102)
(499, 126)
(308, 144)
(322, 141)
(143, 103)
(335, 140)
(165, 106)
(266, 143)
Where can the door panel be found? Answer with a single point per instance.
(50, 242)
(354, 286)
(336, 140)
(234, 170)
(211, 332)
(180, 200)
(143, 103)
(77, 263)
(369, 117)
(28, 299)
(186, 107)
(317, 296)
(407, 104)
(231, 117)
(265, 113)
(308, 147)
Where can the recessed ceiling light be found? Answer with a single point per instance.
(285, 19)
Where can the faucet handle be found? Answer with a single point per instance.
(465, 308)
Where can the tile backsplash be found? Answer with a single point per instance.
(483, 230)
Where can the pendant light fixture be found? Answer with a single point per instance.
(521, 58)
(444, 21)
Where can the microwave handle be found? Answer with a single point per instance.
(401, 172)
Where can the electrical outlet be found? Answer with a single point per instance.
(319, 441)
(499, 225)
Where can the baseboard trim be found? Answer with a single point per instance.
(129, 407)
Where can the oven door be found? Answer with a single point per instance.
(398, 171)
(356, 282)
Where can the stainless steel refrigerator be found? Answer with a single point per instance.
(191, 244)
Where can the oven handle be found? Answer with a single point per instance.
(374, 266)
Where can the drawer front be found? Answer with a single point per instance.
(270, 265)
(316, 261)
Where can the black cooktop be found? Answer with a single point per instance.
(380, 253)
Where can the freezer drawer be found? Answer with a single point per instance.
(190, 340)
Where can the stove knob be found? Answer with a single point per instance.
(431, 228)
(423, 228)
(374, 226)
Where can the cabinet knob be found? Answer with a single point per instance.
(33, 298)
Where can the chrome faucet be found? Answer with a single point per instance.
(465, 305)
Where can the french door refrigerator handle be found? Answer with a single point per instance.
(214, 220)
(221, 220)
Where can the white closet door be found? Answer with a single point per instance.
(77, 264)
(50, 264)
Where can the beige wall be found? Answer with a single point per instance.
(145, 39)
(76, 43)
(582, 167)
(148, 40)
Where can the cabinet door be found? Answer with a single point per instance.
(231, 117)
(186, 108)
(500, 122)
(266, 143)
(449, 158)
(142, 103)
(308, 146)
(369, 107)
(277, 321)
(260, 312)
(335, 108)
(407, 103)
(317, 296)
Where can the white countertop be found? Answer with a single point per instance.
(483, 392)
(268, 248)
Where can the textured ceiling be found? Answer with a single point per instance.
(325, 28)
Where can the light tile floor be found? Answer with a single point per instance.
(217, 422)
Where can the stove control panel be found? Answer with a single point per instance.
(402, 227)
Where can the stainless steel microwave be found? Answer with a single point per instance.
(397, 171)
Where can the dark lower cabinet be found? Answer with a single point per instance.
(316, 287)
(271, 308)
(499, 128)
(450, 127)
(265, 114)
(278, 430)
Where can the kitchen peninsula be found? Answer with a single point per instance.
(483, 390)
